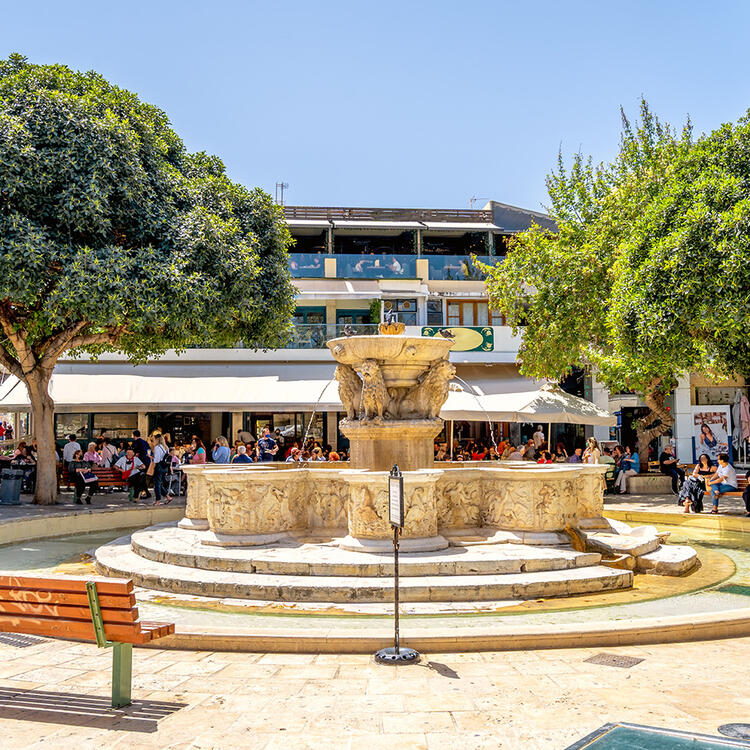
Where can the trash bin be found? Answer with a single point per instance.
(10, 487)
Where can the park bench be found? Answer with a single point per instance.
(95, 609)
(106, 478)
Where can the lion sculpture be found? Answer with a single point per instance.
(424, 400)
(375, 396)
(350, 390)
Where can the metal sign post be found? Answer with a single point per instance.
(396, 654)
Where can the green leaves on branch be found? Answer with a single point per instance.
(105, 218)
(648, 275)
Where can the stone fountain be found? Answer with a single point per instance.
(511, 521)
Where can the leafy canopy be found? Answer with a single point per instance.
(112, 235)
(630, 281)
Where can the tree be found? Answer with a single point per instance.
(580, 295)
(114, 237)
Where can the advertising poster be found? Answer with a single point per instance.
(712, 429)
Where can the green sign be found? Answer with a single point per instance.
(465, 338)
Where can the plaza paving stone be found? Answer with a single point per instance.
(55, 695)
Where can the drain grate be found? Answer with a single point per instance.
(20, 641)
(614, 660)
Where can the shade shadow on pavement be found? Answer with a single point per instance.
(81, 710)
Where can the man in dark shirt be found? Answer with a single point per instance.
(668, 466)
(267, 447)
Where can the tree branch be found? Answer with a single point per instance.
(10, 364)
(110, 336)
(26, 359)
(55, 346)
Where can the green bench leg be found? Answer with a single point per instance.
(122, 673)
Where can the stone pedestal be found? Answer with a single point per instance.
(196, 506)
(409, 443)
(368, 519)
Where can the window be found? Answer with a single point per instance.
(434, 312)
(67, 424)
(405, 309)
(115, 425)
(472, 313)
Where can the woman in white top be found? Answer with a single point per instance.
(159, 452)
(592, 453)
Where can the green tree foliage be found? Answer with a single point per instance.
(614, 288)
(114, 237)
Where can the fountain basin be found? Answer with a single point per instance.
(403, 358)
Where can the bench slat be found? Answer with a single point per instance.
(68, 583)
(67, 612)
(110, 601)
(78, 629)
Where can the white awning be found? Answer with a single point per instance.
(108, 393)
(456, 226)
(391, 226)
(325, 289)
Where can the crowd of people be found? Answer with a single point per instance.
(6, 430)
(155, 463)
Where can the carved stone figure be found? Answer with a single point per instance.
(426, 398)
(374, 393)
(350, 390)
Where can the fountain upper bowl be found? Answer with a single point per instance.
(402, 359)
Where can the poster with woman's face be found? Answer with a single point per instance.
(712, 429)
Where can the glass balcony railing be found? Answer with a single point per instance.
(307, 265)
(457, 267)
(315, 335)
(371, 266)
(308, 336)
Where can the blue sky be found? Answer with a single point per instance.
(402, 103)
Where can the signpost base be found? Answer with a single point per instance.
(391, 656)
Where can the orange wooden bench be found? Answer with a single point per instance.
(106, 477)
(89, 609)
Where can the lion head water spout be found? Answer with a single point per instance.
(392, 388)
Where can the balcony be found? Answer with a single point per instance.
(387, 214)
(307, 265)
(315, 335)
(457, 267)
(371, 266)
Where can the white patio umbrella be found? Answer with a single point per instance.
(548, 404)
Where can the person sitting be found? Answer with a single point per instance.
(608, 459)
(576, 457)
(592, 454)
(704, 469)
(93, 455)
(724, 480)
(546, 458)
(80, 472)
(514, 454)
(294, 456)
(334, 456)
(133, 472)
(630, 466)
(197, 451)
(560, 452)
(241, 456)
(668, 466)
(317, 455)
(220, 452)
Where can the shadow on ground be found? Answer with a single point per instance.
(81, 710)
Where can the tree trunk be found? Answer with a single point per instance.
(43, 412)
(658, 421)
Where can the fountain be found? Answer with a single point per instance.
(478, 531)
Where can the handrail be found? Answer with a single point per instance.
(387, 214)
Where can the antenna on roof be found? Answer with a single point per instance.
(279, 194)
(474, 199)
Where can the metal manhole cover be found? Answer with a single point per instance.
(735, 731)
(614, 660)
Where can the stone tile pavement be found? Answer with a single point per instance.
(728, 505)
(54, 694)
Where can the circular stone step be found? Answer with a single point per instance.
(308, 555)
(118, 559)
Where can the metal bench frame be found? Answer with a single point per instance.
(122, 653)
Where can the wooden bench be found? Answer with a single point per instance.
(741, 484)
(95, 609)
(106, 478)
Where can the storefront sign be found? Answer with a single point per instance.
(466, 339)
